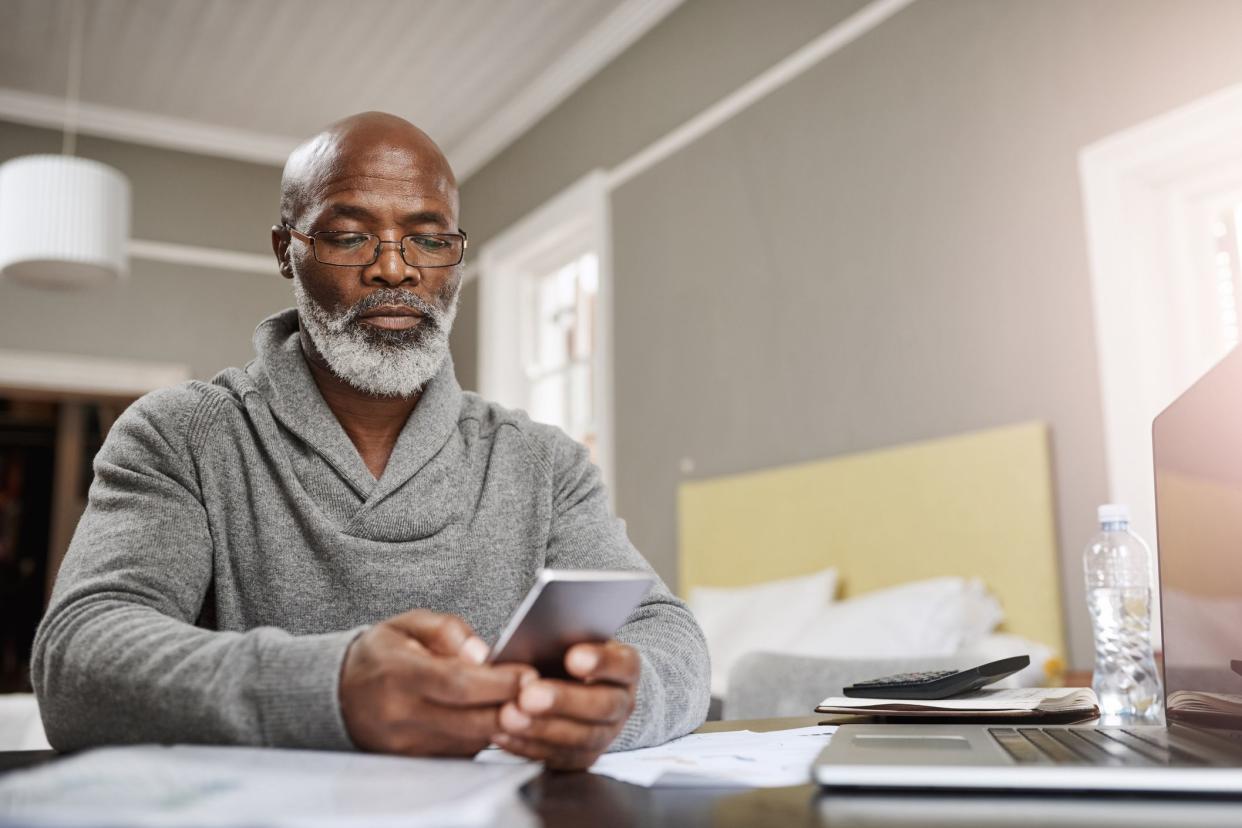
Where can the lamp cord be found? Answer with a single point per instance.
(73, 85)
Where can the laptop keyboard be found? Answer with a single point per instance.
(1110, 746)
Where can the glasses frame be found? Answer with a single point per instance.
(309, 238)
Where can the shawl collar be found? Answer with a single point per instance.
(284, 380)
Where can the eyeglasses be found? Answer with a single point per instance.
(346, 248)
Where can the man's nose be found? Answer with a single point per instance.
(389, 268)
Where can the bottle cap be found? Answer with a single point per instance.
(1114, 513)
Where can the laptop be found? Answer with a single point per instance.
(1197, 444)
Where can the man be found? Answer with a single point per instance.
(245, 538)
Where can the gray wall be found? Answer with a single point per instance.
(889, 248)
(169, 313)
(700, 53)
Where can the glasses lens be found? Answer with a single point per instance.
(433, 250)
(345, 248)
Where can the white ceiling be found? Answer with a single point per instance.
(250, 78)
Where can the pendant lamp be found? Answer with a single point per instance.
(64, 220)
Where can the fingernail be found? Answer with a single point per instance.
(582, 661)
(474, 650)
(527, 678)
(513, 719)
(536, 698)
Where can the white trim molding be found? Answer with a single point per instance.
(1150, 195)
(828, 43)
(86, 375)
(209, 257)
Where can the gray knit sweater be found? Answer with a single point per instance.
(235, 543)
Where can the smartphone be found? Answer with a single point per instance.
(567, 607)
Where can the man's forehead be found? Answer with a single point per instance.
(381, 155)
(410, 207)
(350, 188)
(370, 197)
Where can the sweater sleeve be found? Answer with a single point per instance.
(118, 658)
(673, 688)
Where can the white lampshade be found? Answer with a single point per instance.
(64, 221)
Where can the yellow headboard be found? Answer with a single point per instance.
(974, 505)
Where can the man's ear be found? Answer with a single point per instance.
(280, 246)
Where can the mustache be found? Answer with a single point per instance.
(395, 297)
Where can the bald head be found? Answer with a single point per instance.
(370, 145)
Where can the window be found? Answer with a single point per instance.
(1227, 264)
(544, 319)
(1163, 205)
(559, 346)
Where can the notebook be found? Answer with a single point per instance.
(988, 703)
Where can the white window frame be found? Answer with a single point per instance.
(574, 220)
(1145, 191)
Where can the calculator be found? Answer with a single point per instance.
(936, 684)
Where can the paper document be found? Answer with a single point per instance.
(151, 785)
(1045, 699)
(739, 758)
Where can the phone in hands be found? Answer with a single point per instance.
(567, 607)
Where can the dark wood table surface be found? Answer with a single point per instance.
(559, 800)
(576, 799)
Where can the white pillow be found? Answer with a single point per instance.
(737, 620)
(935, 617)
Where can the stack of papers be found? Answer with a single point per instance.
(739, 758)
(179, 786)
(1026, 703)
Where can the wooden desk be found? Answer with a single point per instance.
(578, 799)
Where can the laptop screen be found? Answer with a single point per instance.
(1197, 443)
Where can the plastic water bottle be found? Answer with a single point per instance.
(1117, 565)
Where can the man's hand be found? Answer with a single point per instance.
(567, 724)
(416, 685)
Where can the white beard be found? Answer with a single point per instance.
(378, 362)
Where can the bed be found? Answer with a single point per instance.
(973, 505)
